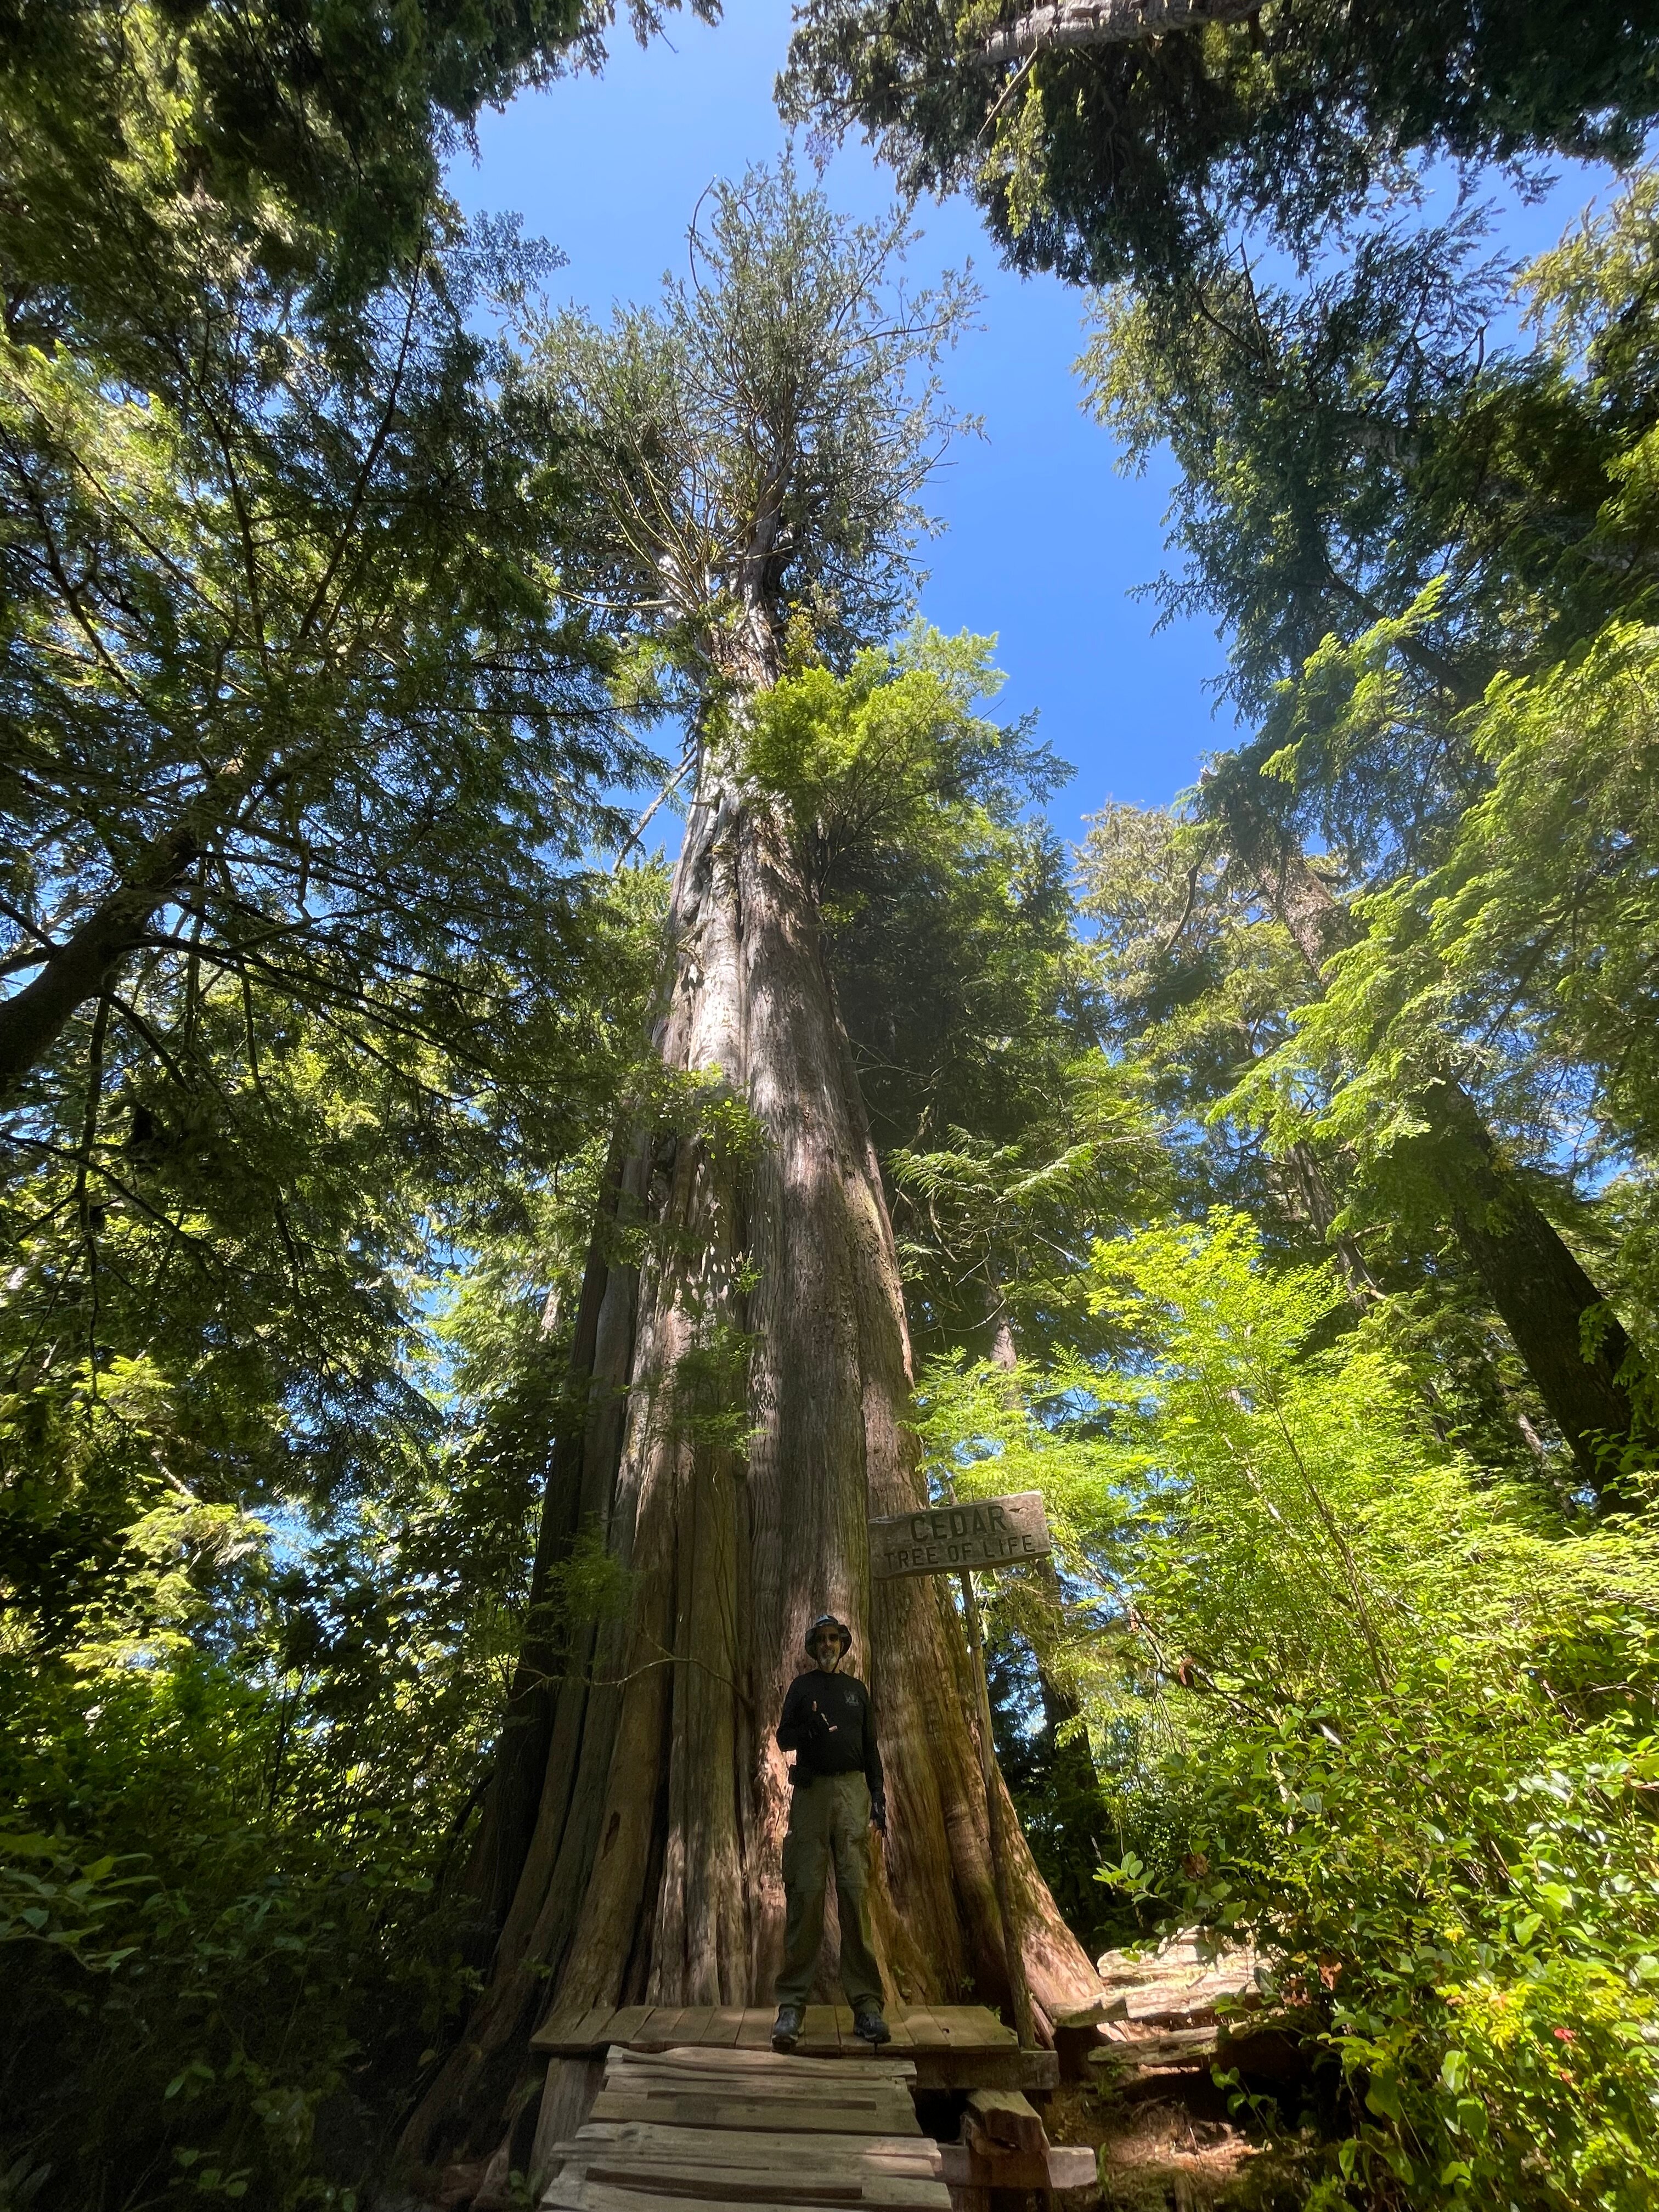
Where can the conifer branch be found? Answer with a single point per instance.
(1106, 23)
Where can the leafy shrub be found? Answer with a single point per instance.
(1412, 1722)
(193, 1972)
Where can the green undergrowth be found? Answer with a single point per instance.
(1391, 1721)
(197, 1968)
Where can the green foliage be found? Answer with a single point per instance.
(748, 454)
(307, 139)
(1109, 157)
(276, 1439)
(1523, 961)
(221, 1922)
(1386, 508)
(1407, 1725)
(1360, 463)
(223, 1295)
(285, 672)
(891, 755)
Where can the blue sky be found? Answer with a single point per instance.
(1044, 541)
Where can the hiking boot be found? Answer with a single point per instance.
(869, 2026)
(785, 2032)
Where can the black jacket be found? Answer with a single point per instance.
(846, 1742)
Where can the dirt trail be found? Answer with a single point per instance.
(1147, 2100)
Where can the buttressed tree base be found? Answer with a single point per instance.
(742, 1343)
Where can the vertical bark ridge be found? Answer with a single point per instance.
(515, 1804)
(747, 1414)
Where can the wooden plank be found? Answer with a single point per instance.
(806, 2097)
(795, 2104)
(760, 2065)
(786, 2097)
(1036, 2072)
(819, 2037)
(567, 2097)
(700, 2124)
(974, 2027)
(552, 2037)
(999, 2165)
(726, 2028)
(759, 2071)
(793, 2109)
(738, 2147)
(719, 2186)
(847, 2085)
(626, 2022)
(582, 2196)
(575, 2187)
(1064, 2165)
(779, 2158)
(924, 2030)
(1073, 2166)
(755, 2034)
(989, 1532)
(576, 2034)
(659, 2030)
(1007, 2115)
(696, 2024)
(899, 2028)
(718, 2111)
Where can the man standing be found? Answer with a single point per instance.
(837, 1784)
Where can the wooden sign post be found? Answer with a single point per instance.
(955, 1539)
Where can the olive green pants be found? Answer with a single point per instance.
(829, 1818)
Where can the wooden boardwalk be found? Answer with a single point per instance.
(949, 2046)
(725, 2124)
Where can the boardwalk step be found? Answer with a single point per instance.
(714, 2126)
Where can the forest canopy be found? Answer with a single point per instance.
(437, 1226)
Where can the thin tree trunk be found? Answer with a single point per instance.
(1083, 23)
(1566, 1334)
(1574, 1347)
(1073, 1761)
(747, 1414)
(87, 962)
(1305, 1190)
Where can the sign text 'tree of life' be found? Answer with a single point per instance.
(982, 1532)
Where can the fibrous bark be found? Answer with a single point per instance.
(745, 1415)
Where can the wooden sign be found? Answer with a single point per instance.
(949, 1540)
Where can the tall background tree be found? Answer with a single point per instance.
(312, 999)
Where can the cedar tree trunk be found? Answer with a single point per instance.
(747, 1366)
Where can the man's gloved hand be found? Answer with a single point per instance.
(818, 1729)
(878, 1812)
